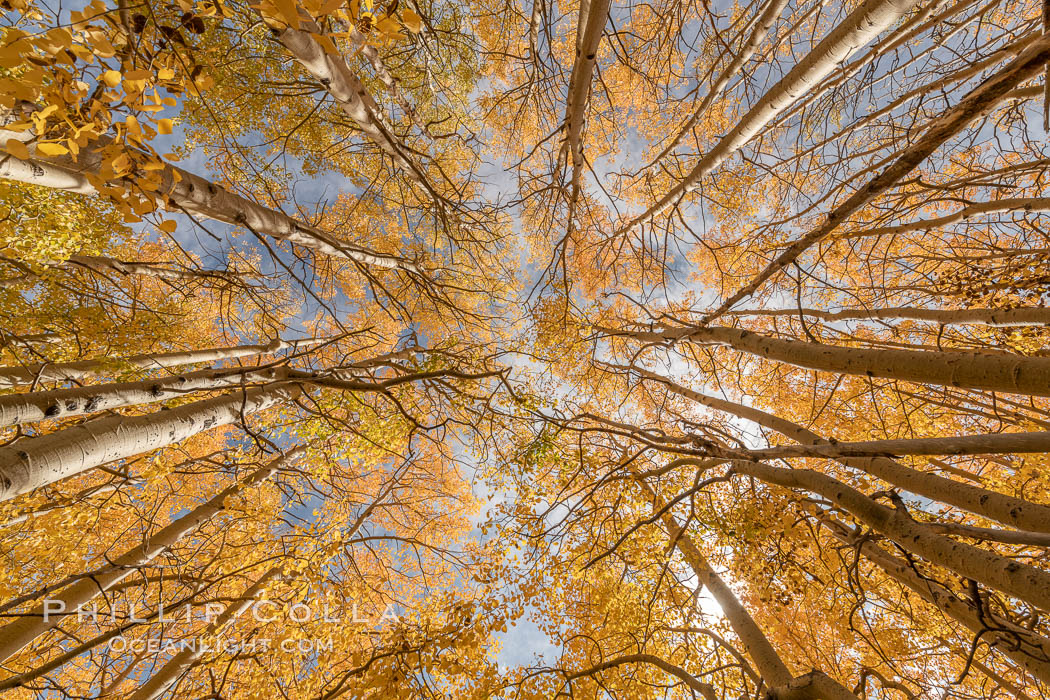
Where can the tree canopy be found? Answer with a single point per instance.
(521, 350)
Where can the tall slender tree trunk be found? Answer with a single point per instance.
(594, 15)
(16, 635)
(1007, 204)
(860, 27)
(185, 659)
(1022, 581)
(985, 444)
(765, 22)
(63, 403)
(193, 195)
(80, 369)
(1000, 318)
(1008, 510)
(37, 461)
(978, 103)
(770, 666)
(350, 94)
(1008, 373)
(1027, 649)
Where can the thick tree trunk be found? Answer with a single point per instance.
(37, 461)
(993, 443)
(1000, 318)
(1008, 510)
(186, 658)
(1021, 581)
(193, 195)
(594, 15)
(63, 403)
(1027, 649)
(16, 635)
(977, 103)
(861, 26)
(765, 22)
(80, 369)
(1008, 373)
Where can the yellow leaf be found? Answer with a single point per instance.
(17, 149)
(289, 12)
(164, 126)
(388, 26)
(52, 149)
(165, 74)
(168, 226)
(412, 21)
(111, 78)
(132, 124)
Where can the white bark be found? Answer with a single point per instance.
(999, 318)
(1013, 204)
(63, 403)
(80, 369)
(765, 22)
(186, 658)
(350, 93)
(992, 443)
(860, 27)
(33, 462)
(1033, 652)
(590, 27)
(19, 633)
(1015, 512)
(978, 103)
(1024, 582)
(194, 195)
(1008, 373)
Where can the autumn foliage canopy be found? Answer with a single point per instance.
(529, 349)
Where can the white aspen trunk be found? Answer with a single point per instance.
(1016, 204)
(999, 318)
(756, 645)
(16, 635)
(991, 443)
(1015, 512)
(80, 369)
(978, 103)
(37, 461)
(594, 15)
(860, 27)
(774, 672)
(1032, 655)
(103, 264)
(1007, 373)
(360, 43)
(350, 93)
(63, 403)
(765, 22)
(185, 659)
(193, 195)
(1021, 581)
